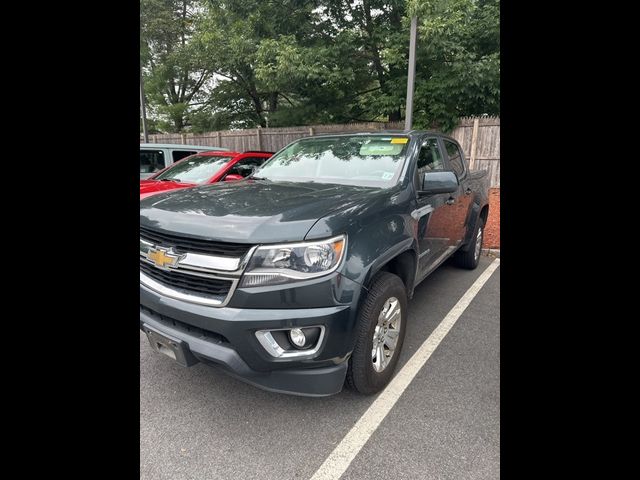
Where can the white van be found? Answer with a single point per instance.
(156, 156)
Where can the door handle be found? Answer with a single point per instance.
(467, 191)
(451, 201)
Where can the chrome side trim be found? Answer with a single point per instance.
(421, 212)
(157, 287)
(275, 350)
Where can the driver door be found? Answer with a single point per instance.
(433, 236)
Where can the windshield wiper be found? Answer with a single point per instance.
(259, 178)
(169, 179)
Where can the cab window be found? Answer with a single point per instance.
(429, 159)
(455, 157)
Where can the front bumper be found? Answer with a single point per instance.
(225, 337)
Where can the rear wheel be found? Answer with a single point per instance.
(471, 257)
(381, 328)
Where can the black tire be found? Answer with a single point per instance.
(361, 375)
(471, 257)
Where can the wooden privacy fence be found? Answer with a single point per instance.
(480, 140)
(479, 137)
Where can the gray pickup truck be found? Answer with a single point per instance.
(296, 279)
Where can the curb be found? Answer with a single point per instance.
(491, 252)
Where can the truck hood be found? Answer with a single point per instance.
(151, 187)
(250, 211)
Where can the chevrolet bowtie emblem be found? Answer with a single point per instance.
(162, 258)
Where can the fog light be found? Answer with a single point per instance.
(297, 337)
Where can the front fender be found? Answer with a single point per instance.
(377, 232)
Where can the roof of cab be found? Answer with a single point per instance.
(408, 133)
(180, 146)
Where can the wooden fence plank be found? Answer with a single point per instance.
(474, 143)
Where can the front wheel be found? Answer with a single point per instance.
(381, 327)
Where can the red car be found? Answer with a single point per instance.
(203, 168)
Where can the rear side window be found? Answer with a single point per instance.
(151, 161)
(246, 166)
(455, 157)
(180, 154)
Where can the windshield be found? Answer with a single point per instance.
(194, 169)
(363, 160)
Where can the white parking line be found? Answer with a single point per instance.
(342, 456)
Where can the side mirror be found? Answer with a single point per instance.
(232, 177)
(439, 182)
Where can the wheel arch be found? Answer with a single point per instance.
(478, 212)
(403, 264)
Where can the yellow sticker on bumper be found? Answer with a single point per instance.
(399, 140)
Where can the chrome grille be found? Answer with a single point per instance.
(205, 286)
(182, 244)
(180, 270)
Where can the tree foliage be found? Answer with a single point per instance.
(247, 63)
(458, 62)
(174, 79)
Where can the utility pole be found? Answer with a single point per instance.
(411, 78)
(143, 109)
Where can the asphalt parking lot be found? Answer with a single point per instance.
(199, 423)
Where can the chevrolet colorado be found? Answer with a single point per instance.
(297, 279)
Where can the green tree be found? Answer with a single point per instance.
(354, 66)
(320, 81)
(339, 72)
(174, 79)
(457, 62)
(228, 40)
(247, 63)
(377, 29)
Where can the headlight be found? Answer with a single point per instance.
(277, 264)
